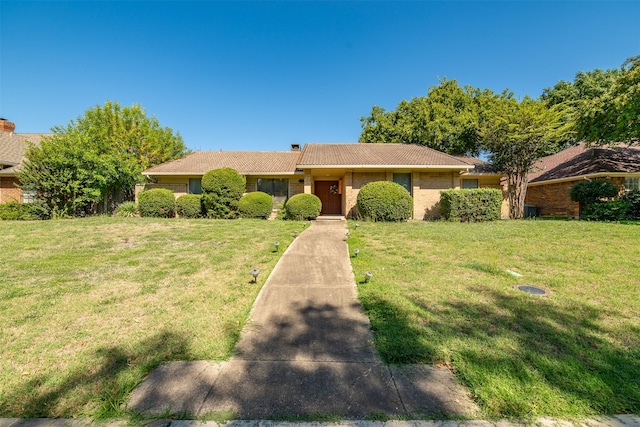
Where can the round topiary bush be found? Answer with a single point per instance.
(222, 190)
(302, 207)
(384, 201)
(157, 202)
(255, 205)
(189, 206)
(588, 192)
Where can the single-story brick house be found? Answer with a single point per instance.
(335, 173)
(12, 147)
(551, 181)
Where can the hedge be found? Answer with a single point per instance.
(189, 206)
(157, 202)
(16, 211)
(255, 205)
(587, 192)
(471, 205)
(384, 201)
(303, 207)
(222, 189)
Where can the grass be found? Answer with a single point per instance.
(89, 306)
(440, 295)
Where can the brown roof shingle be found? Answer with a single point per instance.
(245, 162)
(579, 161)
(12, 147)
(372, 155)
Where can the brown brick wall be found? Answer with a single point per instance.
(8, 190)
(553, 199)
(426, 193)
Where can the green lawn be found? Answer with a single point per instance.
(89, 306)
(440, 294)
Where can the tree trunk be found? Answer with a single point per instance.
(516, 192)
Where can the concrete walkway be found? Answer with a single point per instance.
(306, 350)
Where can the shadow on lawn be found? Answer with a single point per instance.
(531, 341)
(103, 387)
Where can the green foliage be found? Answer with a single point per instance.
(588, 192)
(633, 197)
(611, 210)
(16, 211)
(587, 85)
(222, 189)
(614, 116)
(384, 201)
(126, 210)
(471, 205)
(104, 150)
(189, 206)
(157, 202)
(303, 207)
(256, 205)
(446, 120)
(517, 134)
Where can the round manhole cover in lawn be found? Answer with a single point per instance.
(531, 290)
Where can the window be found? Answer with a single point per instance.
(469, 183)
(195, 186)
(403, 179)
(278, 188)
(631, 184)
(28, 196)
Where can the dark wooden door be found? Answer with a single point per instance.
(327, 191)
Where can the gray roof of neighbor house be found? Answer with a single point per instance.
(578, 161)
(12, 147)
(245, 162)
(376, 156)
(479, 166)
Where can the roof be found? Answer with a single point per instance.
(376, 156)
(579, 161)
(479, 166)
(245, 162)
(12, 147)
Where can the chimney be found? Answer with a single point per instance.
(7, 126)
(295, 147)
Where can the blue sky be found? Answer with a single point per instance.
(263, 75)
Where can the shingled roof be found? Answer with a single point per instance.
(579, 161)
(376, 155)
(245, 162)
(12, 147)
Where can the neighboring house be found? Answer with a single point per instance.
(551, 181)
(12, 147)
(335, 173)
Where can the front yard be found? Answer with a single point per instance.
(440, 294)
(89, 306)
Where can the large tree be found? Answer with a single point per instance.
(614, 116)
(101, 152)
(446, 120)
(516, 134)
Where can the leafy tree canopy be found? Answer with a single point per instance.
(446, 120)
(102, 151)
(585, 86)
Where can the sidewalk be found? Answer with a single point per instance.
(306, 350)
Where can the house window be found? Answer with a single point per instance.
(469, 183)
(631, 184)
(28, 196)
(195, 186)
(403, 179)
(278, 188)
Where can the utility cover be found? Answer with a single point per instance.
(531, 290)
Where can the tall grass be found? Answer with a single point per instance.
(440, 294)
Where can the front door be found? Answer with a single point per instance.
(327, 191)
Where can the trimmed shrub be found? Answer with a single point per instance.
(255, 205)
(587, 192)
(633, 197)
(189, 206)
(126, 209)
(303, 207)
(471, 205)
(222, 189)
(16, 211)
(384, 201)
(613, 210)
(157, 202)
